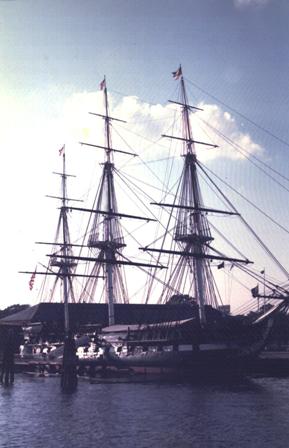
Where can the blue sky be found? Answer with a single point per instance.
(55, 51)
(235, 52)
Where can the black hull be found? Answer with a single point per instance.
(212, 355)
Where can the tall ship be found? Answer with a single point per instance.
(177, 261)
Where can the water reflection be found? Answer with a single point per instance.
(239, 413)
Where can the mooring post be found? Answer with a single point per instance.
(7, 371)
(69, 365)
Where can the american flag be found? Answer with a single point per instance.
(61, 150)
(102, 84)
(32, 279)
(178, 73)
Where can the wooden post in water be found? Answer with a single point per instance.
(69, 373)
(69, 360)
(7, 371)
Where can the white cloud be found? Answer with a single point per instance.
(220, 127)
(248, 3)
(146, 123)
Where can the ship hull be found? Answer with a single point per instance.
(190, 357)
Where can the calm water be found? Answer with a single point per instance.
(247, 413)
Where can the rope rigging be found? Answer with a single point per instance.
(267, 250)
(262, 128)
(187, 228)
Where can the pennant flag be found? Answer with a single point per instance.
(221, 265)
(178, 73)
(32, 279)
(102, 85)
(61, 150)
(255, 291)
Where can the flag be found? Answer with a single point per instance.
(61, 150)
(177, 74)
(102, 85)
(221, 265)
(255, 291)
(32, 279)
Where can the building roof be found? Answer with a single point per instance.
(123, 328)
(97, 313)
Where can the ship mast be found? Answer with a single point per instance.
(190, 274)
(196, 234)
(106, 237)
(66, 265)
(112, 233)
(192, 230)
(61, 257)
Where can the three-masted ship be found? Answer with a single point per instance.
(183, 254)
(210, 336)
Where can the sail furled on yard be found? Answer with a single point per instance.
(61, 267)
(189, 274)
(105, 238)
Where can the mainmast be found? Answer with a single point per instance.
(113, 239)
(106, 238)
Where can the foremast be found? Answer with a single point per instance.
(192, 230)
(190, 274)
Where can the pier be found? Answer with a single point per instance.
(268, 363)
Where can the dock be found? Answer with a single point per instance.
(269, 363)
(275, 363)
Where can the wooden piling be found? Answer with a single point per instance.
(7, 371)
(69, 365)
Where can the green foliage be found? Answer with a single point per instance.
(12, 310)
